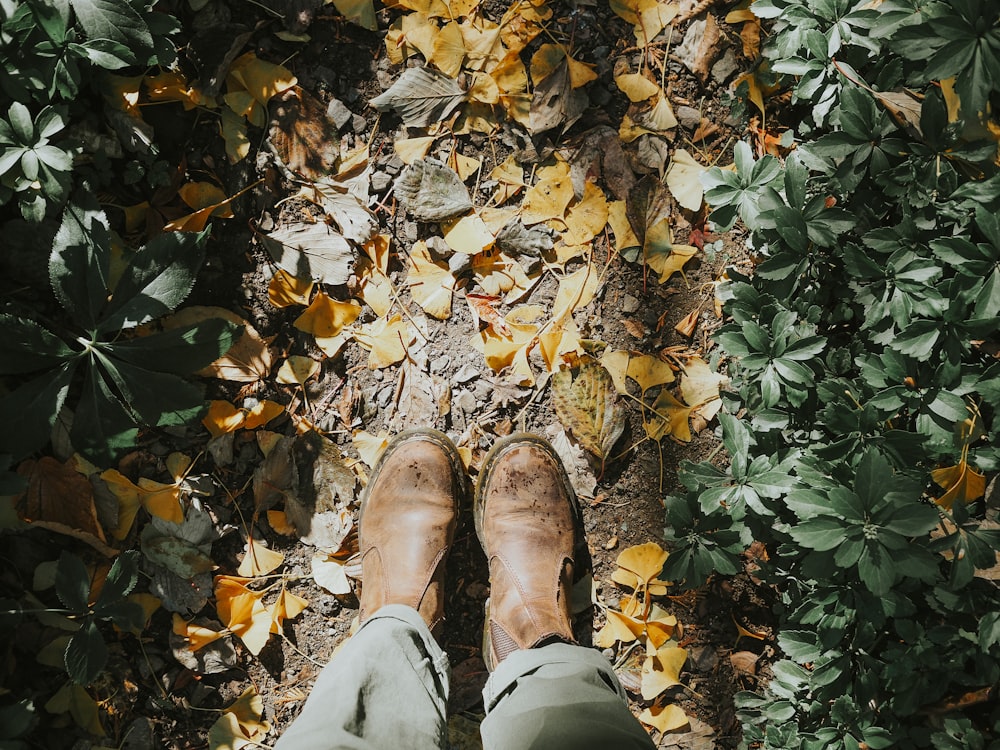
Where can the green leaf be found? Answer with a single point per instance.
(26, 346)
(179, 350)
(80, 260)
(799, 645)
(33, 408)
(86, 653)
(116, 20)
(121, 579)
(157, 399)
(102, 427)
(73, 582)
(876, 568)
(821, 533)
(160, 277)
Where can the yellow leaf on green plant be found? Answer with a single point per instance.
(386, 340)
(960, 482)
(285, 290)
(467, 234)
(259, 560)
(326, 317)
(549, 197)
(684, 180)
(665, 718)
(296, 370)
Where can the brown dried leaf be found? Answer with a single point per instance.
(302, 136)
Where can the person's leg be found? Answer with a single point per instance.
(558, 696)
(387, 687)
(546, 691)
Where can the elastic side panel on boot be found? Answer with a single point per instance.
(503, 644)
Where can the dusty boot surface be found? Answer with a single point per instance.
(409, 511)
(525, 513)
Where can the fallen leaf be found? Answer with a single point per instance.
(302, 136)
(285, 290)
(637, 87)
(372, 270)
(587, 217)
(234, 133)
(684, 180)
(296, 370)
(662, 670)
(432, 191)
(421, 97)
(687, 325)
(247, 361)
(259, 560)
(665, 718)
(556, 102)
(359, 12)
(261, 79)
(227, 734)
(311, 250)
(640, 566)
(700, 387)
(243, 612)
(326, 317)
(510, 349)
(586, 403)
(196, 636)
(668, 416)
(287, 607)
(330, 574)
(386, 340)
(369, 446)
(410, 150)
(618, 628)
(430, 281)
(468, 234)
(76, 701)
(278, 521)
(576, 290)
(649, 371)
(483, 311)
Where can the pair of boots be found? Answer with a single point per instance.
(526, 519)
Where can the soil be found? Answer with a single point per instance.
(160, 703)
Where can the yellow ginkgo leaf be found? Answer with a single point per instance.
(580, 73)
(359, 12)
(326, 317)
(637, 87)
(665, 718)
(668, 416)
(510, 176)
(465, 166)
(645, 561)
(560, 344)
(227, 734)
(616, 363)
(386, 340)
(576, 290)
(586, 218)
(619, 628)
(484, 89)
(961, 482)
(649, 371)
(242, 611)
(661, 670)
(700, 387)
(262, 413)
(510, 349)
(261, 79)
(248, 709)
(223, 417)
(549, 197)
(448, 52)
(369, 446)
(372, 271)
(625, 236)
(410, 150)
(285, 290)
(129, 499)
(234, 133)
(684, 180)
(197, 636)
(546, 61)
(468, 234)
(288, 607)
(660, 627)
(259, 560)
(430, 281)
(162, 500)
(330, 574)
(278, 520)
(296, 370)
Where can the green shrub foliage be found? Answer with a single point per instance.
(862, 353)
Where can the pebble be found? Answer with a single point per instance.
(395, 165)
(465, 401)
(380, 181)
(725, 67)
(689, 117)
(337, 111)
(440, 364)
(385, 396)
(377, 374)
(328, 606)
(460, 264)
(358, 124)
(483, 390)
(468, 373)
(630, 304)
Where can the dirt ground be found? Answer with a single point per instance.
(165, 704)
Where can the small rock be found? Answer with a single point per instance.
(483, 391)
(337, 111)
(380, 182)
(465, 401)
(377, 374)
(328, 606)
(395, 165)
(358, 124)
(599, 95)
(324, 74)
(725, 67)
(440, 364)
(385, 396)
(703, 658)
(468, 373)
(460, 264)
(688, 117)
(630, 304)
(352, 95)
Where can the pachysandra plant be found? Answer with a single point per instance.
(94, 358)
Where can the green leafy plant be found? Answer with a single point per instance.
(127, 381)
(861, 358)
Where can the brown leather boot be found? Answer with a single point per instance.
(409, 510)
(526, 518)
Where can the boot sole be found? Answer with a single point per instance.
(580, 551)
